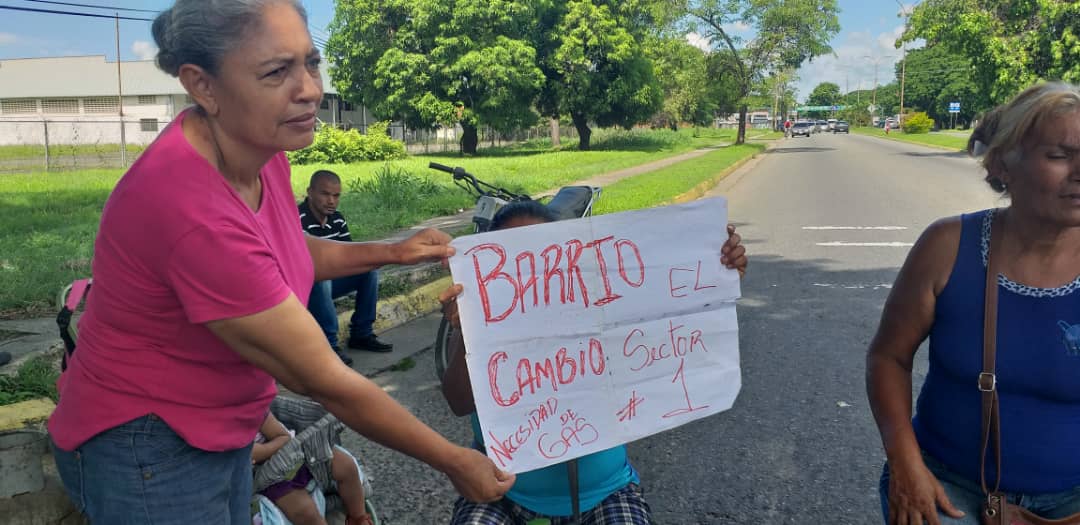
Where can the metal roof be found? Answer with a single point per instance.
(89, 76)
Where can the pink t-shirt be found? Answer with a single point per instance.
(177, 248)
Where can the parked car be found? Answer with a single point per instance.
(841, 126)
(802, 128)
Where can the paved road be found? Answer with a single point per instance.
(800, 445)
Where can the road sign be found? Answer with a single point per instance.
(871, 108)
(820, 108)
(954, 107)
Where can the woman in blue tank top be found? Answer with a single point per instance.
(608, 491)
(1030, 148)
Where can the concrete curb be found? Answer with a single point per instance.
(25, 414)
(400, 309)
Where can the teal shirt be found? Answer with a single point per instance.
(547, 490)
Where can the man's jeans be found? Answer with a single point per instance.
(967, 495)
(321, 304)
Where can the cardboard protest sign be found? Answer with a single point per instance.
(582, 335)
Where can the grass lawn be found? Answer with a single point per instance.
(664, 185)
(954, 141)
(50, 219)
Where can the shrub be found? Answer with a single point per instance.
(395, 198)
(333, 145)
(918, 123)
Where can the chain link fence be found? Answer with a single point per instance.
(32, 145)
(448, 140)
(41, 145)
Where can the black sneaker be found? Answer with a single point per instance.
(343, 356)
(370, 343)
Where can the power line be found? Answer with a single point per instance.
(92, 6)
(72, 13)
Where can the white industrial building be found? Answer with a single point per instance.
(76, 100)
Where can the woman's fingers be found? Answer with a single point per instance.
(450, 294)
(946, 505)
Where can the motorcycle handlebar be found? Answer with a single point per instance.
(440, 167)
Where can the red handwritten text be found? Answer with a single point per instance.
(559, 273)
(575, 432)
(676, 290)
(676, 345)
(630, 410)
(531, 375)
(680, 375)
(504, 449)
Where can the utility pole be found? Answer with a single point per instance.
(120, 97)
(903, 64)
(877, 60)
(776, 100)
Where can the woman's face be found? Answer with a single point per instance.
(1045, 181)
(268, 89)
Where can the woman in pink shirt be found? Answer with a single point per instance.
(200, 273)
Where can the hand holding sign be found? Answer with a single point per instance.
(585, 334)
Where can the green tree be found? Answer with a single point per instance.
(824, 94)
(1010, 43)
(936, 77)
(682, 71)
(594, 63)
(431, 62)
(788, 34)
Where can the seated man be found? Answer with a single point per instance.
(320, 218)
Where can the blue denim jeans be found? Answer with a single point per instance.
(143, 473)
(321, 304)
(967, 495)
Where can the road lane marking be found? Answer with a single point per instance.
(889, 228)
(883, 286)
(867, 244)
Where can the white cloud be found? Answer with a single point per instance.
(698, 41)
(144, 50)
(887, 41)
(737, 27)
(7, 38)
(852, 67)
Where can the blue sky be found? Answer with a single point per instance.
(869, 28)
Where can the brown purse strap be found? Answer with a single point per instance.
(991, 424)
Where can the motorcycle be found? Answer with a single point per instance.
(570, 202)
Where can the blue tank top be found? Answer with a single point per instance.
(1038, 374)
(547, 490)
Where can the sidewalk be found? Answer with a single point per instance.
(26, 338)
